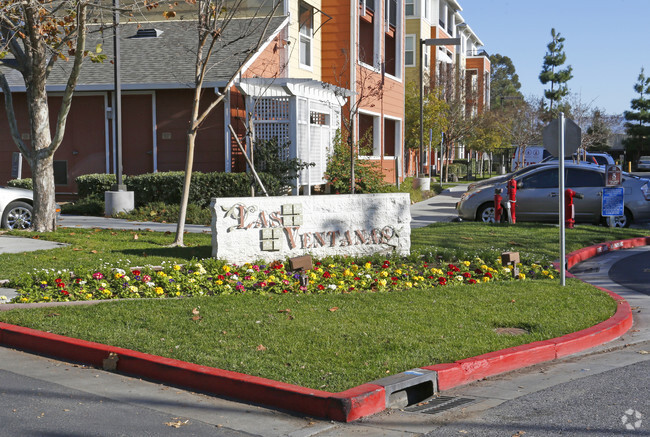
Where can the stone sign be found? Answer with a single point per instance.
(246, 229)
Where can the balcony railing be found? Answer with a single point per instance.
(477, 53)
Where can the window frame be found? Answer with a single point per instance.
(307, 38)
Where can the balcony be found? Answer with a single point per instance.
(480, 52)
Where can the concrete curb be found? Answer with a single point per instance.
(345, 406)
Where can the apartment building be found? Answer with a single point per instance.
(466, 62)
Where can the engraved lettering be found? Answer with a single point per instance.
(292, 235)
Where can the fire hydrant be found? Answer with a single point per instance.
(498, 209)
(512, 199)
(569, 208)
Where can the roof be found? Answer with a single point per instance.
(166, 61)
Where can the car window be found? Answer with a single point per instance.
(547, 178)
(601, 160)
(578, 177)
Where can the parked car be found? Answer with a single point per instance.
(601, 158)
(537, 196)
(643, 163)
(16, 207)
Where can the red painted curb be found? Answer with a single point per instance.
(462, 372)
(345, 406)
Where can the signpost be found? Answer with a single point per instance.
(613, 204)
(561, 138)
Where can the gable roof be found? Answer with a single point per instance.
(165, 61)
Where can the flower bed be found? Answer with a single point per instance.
(212, 277)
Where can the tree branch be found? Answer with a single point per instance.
(11, 117)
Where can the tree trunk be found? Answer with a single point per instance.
(180, 227)
(41, 159)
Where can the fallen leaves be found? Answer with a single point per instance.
(178, 423)
(333, 309)
(261, 347)
(196, 315)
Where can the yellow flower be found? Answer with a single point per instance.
(118, 275)
(178, 293)
(133, 289)
(466, 263)
(219, 282)
(382, 282)
(347, 272)
(550, 276)
(545, 272)
(191, 280)
(46, 297)
(409, 284)
(159, 291)
(89, 296)
(23, 299)
(522, 276)
(383, 273)
(313, 276)
(161, 273)
(484, 267)
(398, 271)
(177, 267)
(355, 267)
(486, 279)
(367, 266)
(126, 278)
(44, 282)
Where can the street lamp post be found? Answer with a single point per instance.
(428, 42)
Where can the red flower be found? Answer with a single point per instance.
(222, 277)
(450, 273)
(58, 280)
(65, 292)
(327, 275)
(442, 281)
(136, 272)
(321, 287)
(467, 275)
(472, 281)
(394, 278)
(60, 284)
(488, 274)
(285, 291)
(478, 271)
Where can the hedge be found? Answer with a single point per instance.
(167, 187)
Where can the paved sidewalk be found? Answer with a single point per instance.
(440, 208)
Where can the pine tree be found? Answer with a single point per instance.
(554, 58)
(637, 126)
(504, 81)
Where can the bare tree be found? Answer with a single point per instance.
(34, 37)
(214, 34)
(522, 122)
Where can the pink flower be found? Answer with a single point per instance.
(98, 275)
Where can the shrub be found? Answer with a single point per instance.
(94, 185)
(21, 183)
(367, 174)
(89, 206)
(162, 213)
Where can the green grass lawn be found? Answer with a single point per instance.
(331, 342)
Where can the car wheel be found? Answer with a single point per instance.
(621, 221)
(485, 213)
(17, 215)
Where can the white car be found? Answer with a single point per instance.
(16, 207)
(644, 163)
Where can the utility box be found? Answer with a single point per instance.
(509, 258)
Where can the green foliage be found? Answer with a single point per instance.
(94, 185)
(165, 213)
(21, 183)
(504, 81)
(433, 111)
(92, 206)
(637, 125)
(367, 174)
(166, 187)
(270, 159)
(554, 58)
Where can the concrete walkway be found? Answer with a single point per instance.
(440, 208)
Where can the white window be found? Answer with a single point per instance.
(427, 9)
(409, 51)
(306, 17)
(369, 131)
(409, 6)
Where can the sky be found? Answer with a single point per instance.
(607, 43)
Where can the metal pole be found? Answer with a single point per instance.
(420, 170)
(442, 140)
(561, 197)
(118, 93)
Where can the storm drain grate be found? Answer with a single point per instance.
(438, 405)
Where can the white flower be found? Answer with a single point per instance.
(235, 277)
(3, 297)
(120, 271)
(82, 282)
(332, 286)
(150, 284)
